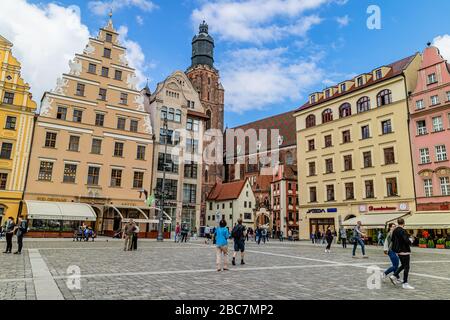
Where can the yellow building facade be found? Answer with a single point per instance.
(17, 110)
(354, 157)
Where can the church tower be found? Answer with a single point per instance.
(206, 80)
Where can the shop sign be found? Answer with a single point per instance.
(372, 208)
(329, 210)
(51, 199)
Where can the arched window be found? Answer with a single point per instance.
(363, 104)
(171, 114)
(310, 121)
(327, 116)
(178, 116)
(208, 121)
(384, 97)
(345, 110)
(163, 113)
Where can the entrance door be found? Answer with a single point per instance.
(321, 225)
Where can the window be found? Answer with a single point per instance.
(92, 68)
(367, 158)
(177, 116)
(359, 81)
(363, 104)
(441, 153)
(349, 191)
(190, 170)
(448, 95)
(343, 87)
(348, 163)
(312, 194)
(245, 204)
(424, 155)
(107, 53)
(8, 98)
(209, 120)
(102, 94)
(77, 115)
(389, 157)
(330, 192)
(171, 114)
(328, 165)
(50, 140)
(310, 121)
(421, 127)
(192, 124)
(124, 98)
(378, 74)
(118, 149)
(134, 125)
(96, 146)
(312, 168)
(3, 181)
(327, 116)
(346, 138)
(172, 137)
(61, 113)
(391, 187)
(370, 191)
(328, 141)
(70, 173)
(432, 78)
(138, 180)
(45, 171)
(93, 176)
(116, 178)
(345, 110)
(121, 123)
(6, 150)
(99, 119)
(210, 207)
(170, 187)
(140, 155)
(428, 187)
(445, 186)
(80, 89)
(74, 143)
(171, 163)
(434, 100)
(163, 113)
(327, 93)
(438, 125)
(419, 104)
(191, 146)
(313, 99)
(109, 37)
(386, 126)
(118, 75)
(384, 98)
(10, 123)
(365, 132)
(311, 145)
(105, 72)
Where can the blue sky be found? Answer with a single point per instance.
(271, 53)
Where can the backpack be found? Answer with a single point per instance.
(237, 232)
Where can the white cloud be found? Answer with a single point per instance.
(343, 21)
(140, 20)
(443, 43)
(45, 38)
(257, 21)
(102, 8)
(135, 55)
(257, 78)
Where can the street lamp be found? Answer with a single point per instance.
(163, 193)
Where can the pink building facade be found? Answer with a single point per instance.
(430, 133)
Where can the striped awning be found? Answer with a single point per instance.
(68, 211)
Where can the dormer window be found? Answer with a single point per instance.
(327, 93)
(360, 81)
(378, 74)
(109, 37)
(343, 87)
(313, 99)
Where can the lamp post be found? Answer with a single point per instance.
(163, 193)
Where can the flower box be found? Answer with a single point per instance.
(440, 246)
(423, 246)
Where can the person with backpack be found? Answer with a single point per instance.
(238, 235)
(401, 245)
(22, 228)
(357, 238)
(221, 235)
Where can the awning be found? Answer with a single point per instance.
(168, 219)
(69, 211)
(428, 220)
(374, 220)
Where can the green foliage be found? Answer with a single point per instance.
(441, 241)
(430, 244)
(447, 244)
(422, 241)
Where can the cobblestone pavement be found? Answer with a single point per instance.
(187, 271)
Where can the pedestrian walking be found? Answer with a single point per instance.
(258, 235)
(177, 232)
(387, 248)
(312, 236)
(184, 233)
(329, 237)
(238, 235)
(290, 235)
(127, 234)
(264, 234)
(22, 228)
(281, 236)
(380, 238)
(9, 232)
(343, 234)
(401, 244)
(135, 238)
(221, 235)
(357, 238)
(318, 237)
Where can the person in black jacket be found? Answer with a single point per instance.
(9, 232)
(22, 228)
(401, 244)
